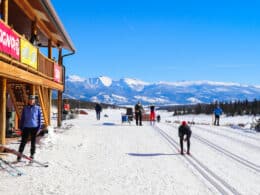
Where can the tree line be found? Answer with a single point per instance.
(231, 108)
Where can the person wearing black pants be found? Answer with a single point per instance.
(217, 112)
(184, 129)
(98, 109)
(138, 113)
(25, 135)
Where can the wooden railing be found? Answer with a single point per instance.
(45, 66)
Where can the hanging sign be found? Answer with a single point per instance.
(9, 41)
(28, 53)
(57, 73)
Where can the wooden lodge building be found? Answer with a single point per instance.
(26, 27)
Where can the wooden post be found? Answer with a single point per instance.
(5, 11)
(49, 90)
(16, 122)
(50, 49)
(34, 38)
(43, 101)
(59, 100)
(60, 57)
(59, 104)
(32, 89)
(49, 108)
(33, 28)
(2, 110)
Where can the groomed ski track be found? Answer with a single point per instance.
(207, 138)
(220, 149)
(220, 184)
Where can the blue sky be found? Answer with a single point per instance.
(175, 40)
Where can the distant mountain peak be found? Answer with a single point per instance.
(132, 81)
(201, 82)
(106, 80)
(135, 84)
(75, 78)
(128, 91)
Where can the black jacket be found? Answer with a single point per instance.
(184, 130)
(98, 108)
(138, 108)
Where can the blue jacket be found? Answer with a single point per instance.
(31, 117)
(218, 111)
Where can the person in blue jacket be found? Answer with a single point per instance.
(30, 124)
(98, 109)
(217, 112)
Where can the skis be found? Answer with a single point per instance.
(18, 154)
(7, 166)
(184, 152)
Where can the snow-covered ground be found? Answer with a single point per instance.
(87, 156)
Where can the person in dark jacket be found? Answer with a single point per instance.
(98, 109)
(184, 129)
(138, 113)
(158, 118)
(30, 125)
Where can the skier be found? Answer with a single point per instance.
(138, 113)
(184, 129)
(158, 118)
(152, 115)
(30, 125)
(98, 109)
(217, 112)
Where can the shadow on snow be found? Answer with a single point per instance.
(150, 154)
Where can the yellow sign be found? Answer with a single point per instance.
(28, 53)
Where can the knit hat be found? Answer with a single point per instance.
(32, 97)
(183, 123)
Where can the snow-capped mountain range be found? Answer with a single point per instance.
(128, 91)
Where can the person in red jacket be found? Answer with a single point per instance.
(152, 114)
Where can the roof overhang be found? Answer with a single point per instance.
(49, 26)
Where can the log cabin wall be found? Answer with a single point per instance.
(25, 27)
